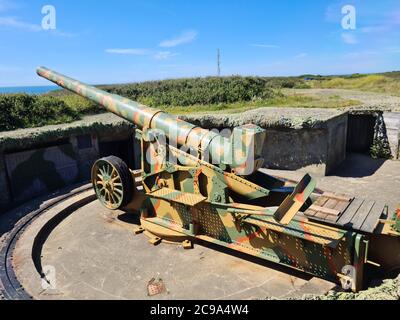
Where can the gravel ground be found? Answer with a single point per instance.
(369, 100)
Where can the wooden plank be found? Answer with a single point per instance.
(361, 214)
(336, 196)
(331, 218)
(319, 202)
(325, 210)
(321, 215)
(331, 203)
(310, 213)
(371, 222)
(342, 205)
(292, 204)
(346, 217)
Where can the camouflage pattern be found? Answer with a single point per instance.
(202, 142)
(396, 218)
(229, 202)
(54, 168)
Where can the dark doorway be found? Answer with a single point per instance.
(360, 133)
(123, 149)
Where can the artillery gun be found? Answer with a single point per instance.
(195, 184)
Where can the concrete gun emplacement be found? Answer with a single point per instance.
(195, 184)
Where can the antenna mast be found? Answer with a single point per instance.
(218, 63)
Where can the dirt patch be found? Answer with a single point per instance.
(388, 290)
(369, 100)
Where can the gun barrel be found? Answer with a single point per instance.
(240, 154)
(177, 130)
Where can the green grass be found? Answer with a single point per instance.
(388, 83)
(287, 101)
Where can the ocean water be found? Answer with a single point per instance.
(29, 90)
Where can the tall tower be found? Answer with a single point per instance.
(218, 63)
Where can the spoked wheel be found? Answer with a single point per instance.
(112, 182)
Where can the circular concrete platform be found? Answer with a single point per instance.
(77, 249)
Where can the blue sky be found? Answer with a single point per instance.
(123, 41)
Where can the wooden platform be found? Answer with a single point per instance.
(351, 213)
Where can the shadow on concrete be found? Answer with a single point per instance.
(134, 219)
(49, 226)
(129, 217)
(358, 165)
(265, 263)
(8, 219)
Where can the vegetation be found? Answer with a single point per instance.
(388, 83)
(216, 94)
(204, 91)
(292, 100)
(23, 110)
(177, 96)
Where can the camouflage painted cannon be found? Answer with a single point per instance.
(197, 184)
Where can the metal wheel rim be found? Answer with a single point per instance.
(108, 185)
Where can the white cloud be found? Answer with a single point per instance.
(349, 38)
(360, 54)
(159, 55)
(12, 22)
(164, 55)
(393, 49)
(264, 45)
(134, 52)
(375, 29)
(301, 55)
(185, 37)
(15, 23)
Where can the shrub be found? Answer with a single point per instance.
(23, 111)
(81, 105)
(186, 92)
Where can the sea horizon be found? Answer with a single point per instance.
(28, 89)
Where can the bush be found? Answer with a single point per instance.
(186, 92)
(215, 93)
(81, 105)
(23, 111)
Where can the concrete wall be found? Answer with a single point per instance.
(318, 151)
(291, 149)
(311, 140)
(86, 148)
(392, 122)
(5, 197)
(337, 139)
(37, 161)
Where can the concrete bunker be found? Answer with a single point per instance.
(62, 155)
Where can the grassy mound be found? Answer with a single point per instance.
(23, 111)
(205, 91)
(176, 96)
(384, 83)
